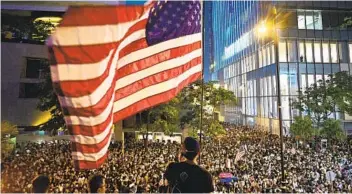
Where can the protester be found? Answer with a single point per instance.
(187, 176)
(140, 170)
(97, 184)
(41, 184)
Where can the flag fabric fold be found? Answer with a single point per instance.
(111, 62)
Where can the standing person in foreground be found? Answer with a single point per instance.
(97, 184)
(41, 184)
(187, 176)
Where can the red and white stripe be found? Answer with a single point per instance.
(103, 71)
(239, 155)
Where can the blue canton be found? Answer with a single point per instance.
(172, 19)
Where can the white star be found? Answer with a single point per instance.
(173, 15)
(196, 23)
(197, 6)
(195, 12)
(164, 29)
(189, 23)
(169, 22)
(182, 3)
(190, 6)
(150, 21)
(182, 18)
(150, 33)
(155, 25)
(186, 12)
(178, 25)
(178, 9)
(170, 6)
(165, 12)
(192, 17)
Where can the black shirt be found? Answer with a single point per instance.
(188, 178)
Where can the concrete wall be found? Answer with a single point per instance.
(20, 111)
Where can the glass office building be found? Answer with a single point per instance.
(313, 43)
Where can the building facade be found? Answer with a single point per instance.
(313, 43)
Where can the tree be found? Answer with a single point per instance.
(48, 101)
(302, 128)
(213, 97)
(321, 100)
(8, 130)
(347, 22)
(317, 102)
(340, 87)
(26, 28)
(332, 130)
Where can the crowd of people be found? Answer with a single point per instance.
(141, 169)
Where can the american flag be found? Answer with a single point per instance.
(111, 62)
(239, 155)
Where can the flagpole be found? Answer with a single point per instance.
(202, 86)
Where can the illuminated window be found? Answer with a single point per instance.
(301, 20)
(292, 51)
(309, 52)
(310, 80)
(333, 48)
(326, 55)
(260, 58)
(350, 51)
(317, 52)
(302, 55)
(303, 82)
(272, 53)
(285, 103)
(284, 79)
(270, 86)
(264, 57)
(309, 20)
(293, 79)
(282, 51)
(318, 20)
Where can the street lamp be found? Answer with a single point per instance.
(266, 28)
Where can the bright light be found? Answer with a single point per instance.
(262, 28)
(41, 118)
(54, 20)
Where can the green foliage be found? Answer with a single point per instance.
(184, 110)
(320, 100)
(165, 126)
(302, 128)
(41, 30)
(215, 129)
(340, 88)
(214, 96)
(8, 130)
(347, 22)
(26, 28)
(317, 102)
(48, 101)
(332, 130)
(192, 132)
